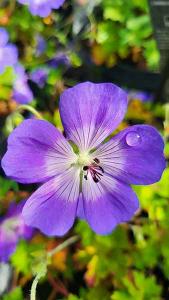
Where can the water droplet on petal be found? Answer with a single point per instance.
(133, 138)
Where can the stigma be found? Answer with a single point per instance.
(94, 169)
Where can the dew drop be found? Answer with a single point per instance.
(133, 139)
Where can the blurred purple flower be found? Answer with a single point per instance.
(41, 45)
(140, 95)
(58, 60)
(8, 52)
(42, 8)
(12, 229)
(93, 183)
(39, 76)
(21, 91)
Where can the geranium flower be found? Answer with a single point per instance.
(22, 93)
(140, 95)
(12, 229)
(61, 59)
(42, 8)
(41, 45)
(8, 52)
(92, 182)
(39, 76)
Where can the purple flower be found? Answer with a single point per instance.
(93, 182)
(39, 76)
(40, 46)
(21, 90)
(8, 52)
(139, 95)
(42, 8)
(58, 60)
(12, 229)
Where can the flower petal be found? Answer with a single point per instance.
(21, 92)
(11, 55)
(135, 155)
(36, 152)
(4, 37)
(80, 208)
(52, 208)
(41, 8)
(56, 3)
(8, 243)
(18, 227)
(107, 203)
(90, 112)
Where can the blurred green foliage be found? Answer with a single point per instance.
(16, 294)
(125, 30)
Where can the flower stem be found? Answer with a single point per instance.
(34, 286)
(65, 244)
(49, 255)
(30, 109)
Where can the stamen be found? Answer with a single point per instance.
(95, 170)
(101, 169)
(96, 179)
(85, 168)
(96, 160)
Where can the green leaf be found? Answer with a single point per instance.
(21, 258)
(151, 53)
(7, 185)
(120, 295)
(75, 59)
(73, 297)
(7, 77)
(114, 14)
(99, 293)
(15, 294)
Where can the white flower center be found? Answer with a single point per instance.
(11, 223)
(89, 166)
(84, 159)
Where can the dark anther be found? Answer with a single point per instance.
(85, 168)
(101, 169)
(95, 179)
(85, 177)
(96, 160)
